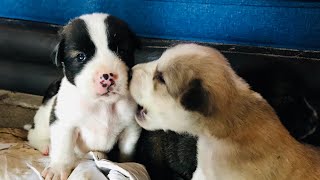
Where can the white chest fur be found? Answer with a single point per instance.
(99, 122)
(214, 162)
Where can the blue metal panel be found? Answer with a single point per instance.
(287, 24)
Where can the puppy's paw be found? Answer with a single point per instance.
(44, 150)
(41, 145)
(57, 172)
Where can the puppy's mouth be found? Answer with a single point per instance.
(141, 113)
(110, 91)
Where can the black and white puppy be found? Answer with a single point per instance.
(91, 108)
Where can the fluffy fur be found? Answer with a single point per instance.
(90, 109)
(167, 155)
(193, 89)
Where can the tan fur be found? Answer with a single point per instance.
(242, 137)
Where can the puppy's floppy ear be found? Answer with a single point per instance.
(197, 98)
(57, 53)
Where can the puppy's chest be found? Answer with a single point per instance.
(215, 160)
(100, 128)
(99, 117)
(101, 120)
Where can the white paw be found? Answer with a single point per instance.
(57, 172)
(41, 144)
(44, 150)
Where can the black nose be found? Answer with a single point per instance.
(130, 75)
(105, 76)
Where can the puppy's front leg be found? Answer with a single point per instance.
(62, 155)
(127, 142)
(198, 174)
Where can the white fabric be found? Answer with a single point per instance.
(105, 170)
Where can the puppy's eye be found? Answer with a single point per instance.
(81, 57)
(159, 77)
(120, 51)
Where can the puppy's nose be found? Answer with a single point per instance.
(105, 76)
(107, 80)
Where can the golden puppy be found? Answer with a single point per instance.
(193, 89)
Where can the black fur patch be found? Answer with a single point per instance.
(196, 98)
(121, 40)
(167, 155)
(51, 91)
(53, 116)
(76, 39)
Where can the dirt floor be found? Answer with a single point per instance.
(17, 109)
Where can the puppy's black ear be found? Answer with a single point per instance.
(197, 98)
(58, 53)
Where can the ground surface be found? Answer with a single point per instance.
(17, 109)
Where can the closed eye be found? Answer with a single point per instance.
(159, 77)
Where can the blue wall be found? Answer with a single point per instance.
(277, 23)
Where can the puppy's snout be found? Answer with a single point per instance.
(137, 80)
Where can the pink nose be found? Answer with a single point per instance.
(105, 83)
(107, 80)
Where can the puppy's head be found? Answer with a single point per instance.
(95, 51)
(188, 85)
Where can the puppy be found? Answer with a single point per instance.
(193, 89)
(91, 108)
